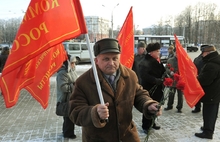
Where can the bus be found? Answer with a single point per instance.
(164, 40)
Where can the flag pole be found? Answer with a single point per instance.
(94, 70)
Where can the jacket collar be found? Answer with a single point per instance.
(124, 73)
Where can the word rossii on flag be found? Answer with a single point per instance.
(37, 51)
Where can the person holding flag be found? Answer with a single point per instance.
(112, 121)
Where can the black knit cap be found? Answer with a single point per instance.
(152, 47)
(106, 45)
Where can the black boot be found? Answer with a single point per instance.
(168, 108)
(196, 110)
(179, 111)
(203, 135)
(156, 127)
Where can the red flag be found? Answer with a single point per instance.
(126, 41)
(30, 64)
(47, 64)
(188, 71)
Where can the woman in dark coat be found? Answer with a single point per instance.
(151, 72)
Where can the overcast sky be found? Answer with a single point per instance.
(146, 12)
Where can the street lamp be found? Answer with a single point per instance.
(112, 17)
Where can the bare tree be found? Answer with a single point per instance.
(8, 30)
(2, 30)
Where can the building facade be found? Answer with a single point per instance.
(98, 27)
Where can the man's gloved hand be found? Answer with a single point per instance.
(159, 81)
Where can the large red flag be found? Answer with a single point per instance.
(126, 41)
(47, 64)
(46, 24)
(188, 71)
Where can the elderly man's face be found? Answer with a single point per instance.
(108, 62)
(155, 54)
(204, 54)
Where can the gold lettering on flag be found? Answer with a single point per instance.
(46, 24)
(24, 39)
(47, 75)
(39, 8)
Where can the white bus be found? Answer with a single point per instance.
(164, 40)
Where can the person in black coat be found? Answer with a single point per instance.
(4, 57)
(138, 58)
(209, 78)
(151, 72)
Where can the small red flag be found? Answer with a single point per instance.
(188, 71)
(126, 41)
(46, 25)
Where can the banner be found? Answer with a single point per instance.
(126, 41)
(46, 25)
(188, 71)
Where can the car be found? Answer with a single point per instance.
(79, 50)
(192, 47)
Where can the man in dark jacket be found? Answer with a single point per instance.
(138, 58)
(151, 72)
(119, 95)
(209, 78)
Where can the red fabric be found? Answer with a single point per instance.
(126, 41)
(46, 24)
(47, 64)
(188, 71)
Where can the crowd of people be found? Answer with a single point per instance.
(123, 88)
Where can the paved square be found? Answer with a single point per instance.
(27, 121)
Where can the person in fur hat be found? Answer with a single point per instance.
(151, 72)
